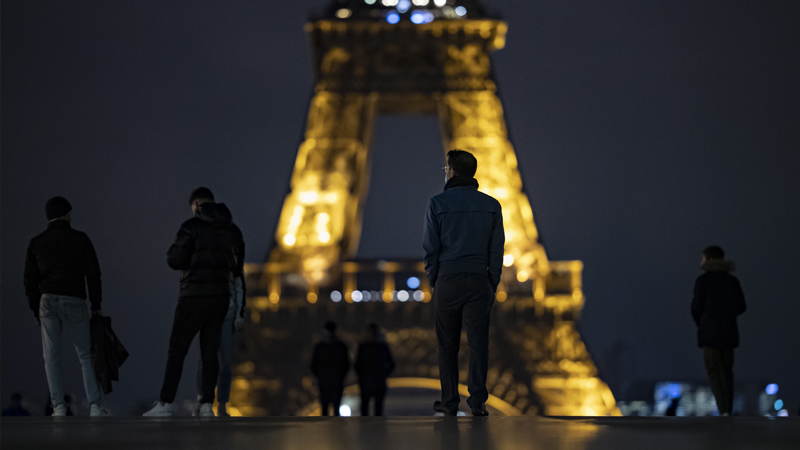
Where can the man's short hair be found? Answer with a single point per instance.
(462, 163)
(330, 326)
(714, 252)
(201, 193)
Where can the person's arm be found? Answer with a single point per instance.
(741, 306)
(359, 365)
(496, 246)
(698, 300)
(315, 362)
(179, 255)
(238, 301)
(32, 280)
(93, 277)
(243, 286)
(389, 360)
(431, 244)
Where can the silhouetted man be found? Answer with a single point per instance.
(463, 245)
(717, 301)
(60, 264)
(373, 365)
(209, 252)
(330, 364)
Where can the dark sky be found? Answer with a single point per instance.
(644, 130)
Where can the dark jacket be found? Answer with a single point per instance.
(717, 300)
(330, 363)
(62, 261)
(463, 232)
(373, 365)
(108, 353)
(209, 252)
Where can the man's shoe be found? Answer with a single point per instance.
(160, 410)
(222, 410)
(480, 410)
(60, 410)
(439, 407)
(97, 411)
(205, 410)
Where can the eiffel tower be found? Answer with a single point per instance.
(406, 57)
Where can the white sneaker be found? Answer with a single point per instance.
(205, 410)
(98, 411)
(160, 410)
(60, 410)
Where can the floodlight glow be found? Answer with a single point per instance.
(440, 3)
(336, 296)
(344, 411)
(772, 389)
(412, 282)
(393, 18)
(461, 11)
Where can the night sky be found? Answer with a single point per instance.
(645, 131)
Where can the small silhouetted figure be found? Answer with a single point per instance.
(672, 410)
(373, 365)
(330, 365)
(16, 408)
(717, 301)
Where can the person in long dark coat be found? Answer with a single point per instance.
(330, 364)
(374, 363)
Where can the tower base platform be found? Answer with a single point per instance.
(417, 433)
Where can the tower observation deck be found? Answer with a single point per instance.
(427, 57)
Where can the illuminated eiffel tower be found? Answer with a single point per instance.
(401, 57)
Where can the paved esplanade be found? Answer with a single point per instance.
(420, 433)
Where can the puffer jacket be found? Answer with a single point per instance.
(717, 301)
(464, 232)
(209, 252)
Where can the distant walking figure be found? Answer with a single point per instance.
(209, 252)
(373, 365)
(463, 245)
(717, 301)
(330, 364)
(60, 264)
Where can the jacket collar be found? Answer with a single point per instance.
(58, 224)
(461, 182)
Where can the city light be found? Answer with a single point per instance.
(343, 13)
(393, 18)
(403, 6)
(461, 11)
(772, 389)
(369, 2)
(357, 296)
(783, 413)
(440, 3)
(344, 411)
(418, 17)
(412, 282)
(402, 296)
(366, 296)
(778, 404)
(389, 2)
(421, 2)
(289, 240)
(508, 260)
(336, 296)
(419, 296)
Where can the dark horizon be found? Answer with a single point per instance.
(644, 133)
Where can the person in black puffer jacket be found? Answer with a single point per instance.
(717, 302)
(209, 252)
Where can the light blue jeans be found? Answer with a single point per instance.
(61, 314)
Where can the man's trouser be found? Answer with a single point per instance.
(224, 354)
(719, 365)
(196, 314)
(377, 395)
(330, 396)
(62, 313)
(466, 297)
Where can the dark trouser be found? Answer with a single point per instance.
(719, 365)
(198, 314)
(330, 396)
(225, 378)
(366, 395)
(468, 297)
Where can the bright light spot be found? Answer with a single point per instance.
(412, 282)
(289, 240)
(502, 296)
(343, 13)
(461, 11)
(324, 237)
(389, 2)
(783, 413)
(402, 296)
(522, 276)
(356, 296)
(375, 296)
(388, 296)
(403, 5)
(331, 197)
(274, 297)
(440, 3)
(393, 18)
(308, 197)
(778, 404)
(508, 260)
(772, 389)
(336, 296)
(344, 410)
(419, 296)
(421, 2)
(418, 17)
(369, 2)
(311, 297)
(674, 390)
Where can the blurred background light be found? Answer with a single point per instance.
(356, 296)
(402, 296)
(778, 404)
(772, 389)
(440, 3)
(412, 282)
(461, 11)
(403, 6)
(336, 296)
(393, 18)
(344, 411)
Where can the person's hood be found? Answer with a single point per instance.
(718, 265)
(217, 214)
